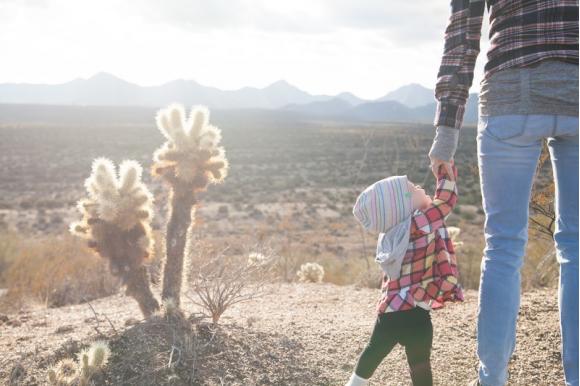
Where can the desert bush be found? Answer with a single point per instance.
(311, 273)
(9, 244)
(454, 233)
(55, 271)
(188, 161)
(347, 270)
(540, 268)
(468, 216)
(218, 281)
(370, 278)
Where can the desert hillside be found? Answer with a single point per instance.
(284, 213)
(296, 334)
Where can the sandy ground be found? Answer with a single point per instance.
(297, 334)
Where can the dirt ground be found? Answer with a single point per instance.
(297, 334)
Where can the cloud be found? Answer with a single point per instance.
(416, 21)
(325, 46)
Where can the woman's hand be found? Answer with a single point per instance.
(435, 167)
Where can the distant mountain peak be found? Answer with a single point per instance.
(105, 76)
(411, 95)
(347, 94)
(350, 98)
(412, 84)
(409, 102)
(281, 85)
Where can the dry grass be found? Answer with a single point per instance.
(52, 271)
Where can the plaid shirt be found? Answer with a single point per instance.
(429, 270)
(522, 32)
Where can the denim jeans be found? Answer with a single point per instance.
(508, 148)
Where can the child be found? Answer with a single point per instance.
(420, 270)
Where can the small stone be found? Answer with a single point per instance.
(64, 329)
(131, 322)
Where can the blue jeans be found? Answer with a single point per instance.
(508, 148)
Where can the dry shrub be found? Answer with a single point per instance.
(349, 270)
(540, 264)
(371, 278)
(218, 281)
(9, 244)
(55, 272)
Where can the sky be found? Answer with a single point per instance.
(367, 47)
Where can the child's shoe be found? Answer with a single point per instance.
(355, 380)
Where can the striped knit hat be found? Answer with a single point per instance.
(384, 204)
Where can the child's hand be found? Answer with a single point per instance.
(437, 165)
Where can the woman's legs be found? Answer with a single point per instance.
(382, 341)
(564, 153)
(508, 149)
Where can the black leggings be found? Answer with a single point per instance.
(413, 330)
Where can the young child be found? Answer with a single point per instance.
(417, 257)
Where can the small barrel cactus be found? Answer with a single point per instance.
(64, 373)
(189, 161)
(311, 272)
(68, 372)
(116, 222)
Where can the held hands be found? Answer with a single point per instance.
(435, 163)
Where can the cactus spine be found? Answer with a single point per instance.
(188, 161)
(68, 372)
(116, 223)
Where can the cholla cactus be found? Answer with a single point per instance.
(311, 272)
(257, 258)
(92, 360)
(454, 235)
(189, 161)
(68, 372)
(116, 223)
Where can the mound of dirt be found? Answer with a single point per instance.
(298, 334)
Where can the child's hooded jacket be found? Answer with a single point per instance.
(428, 275)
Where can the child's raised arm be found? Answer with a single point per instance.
(433, 217)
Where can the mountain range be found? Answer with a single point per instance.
(410, 103)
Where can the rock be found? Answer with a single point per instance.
(131, 322)
(64, 329)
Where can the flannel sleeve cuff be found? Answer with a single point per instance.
(445, 143)
(449, 114)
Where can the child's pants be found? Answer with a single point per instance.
(413, 330)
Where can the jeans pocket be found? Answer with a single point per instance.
(566, 126)
(502, 127)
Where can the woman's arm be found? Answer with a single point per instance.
(455, 75)
(459, 55)
(428, 220)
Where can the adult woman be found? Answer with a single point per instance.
(529, 92)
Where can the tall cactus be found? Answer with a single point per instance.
(116, 222)
(188, 161)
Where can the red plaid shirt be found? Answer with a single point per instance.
(522, 32)
(429, 271)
